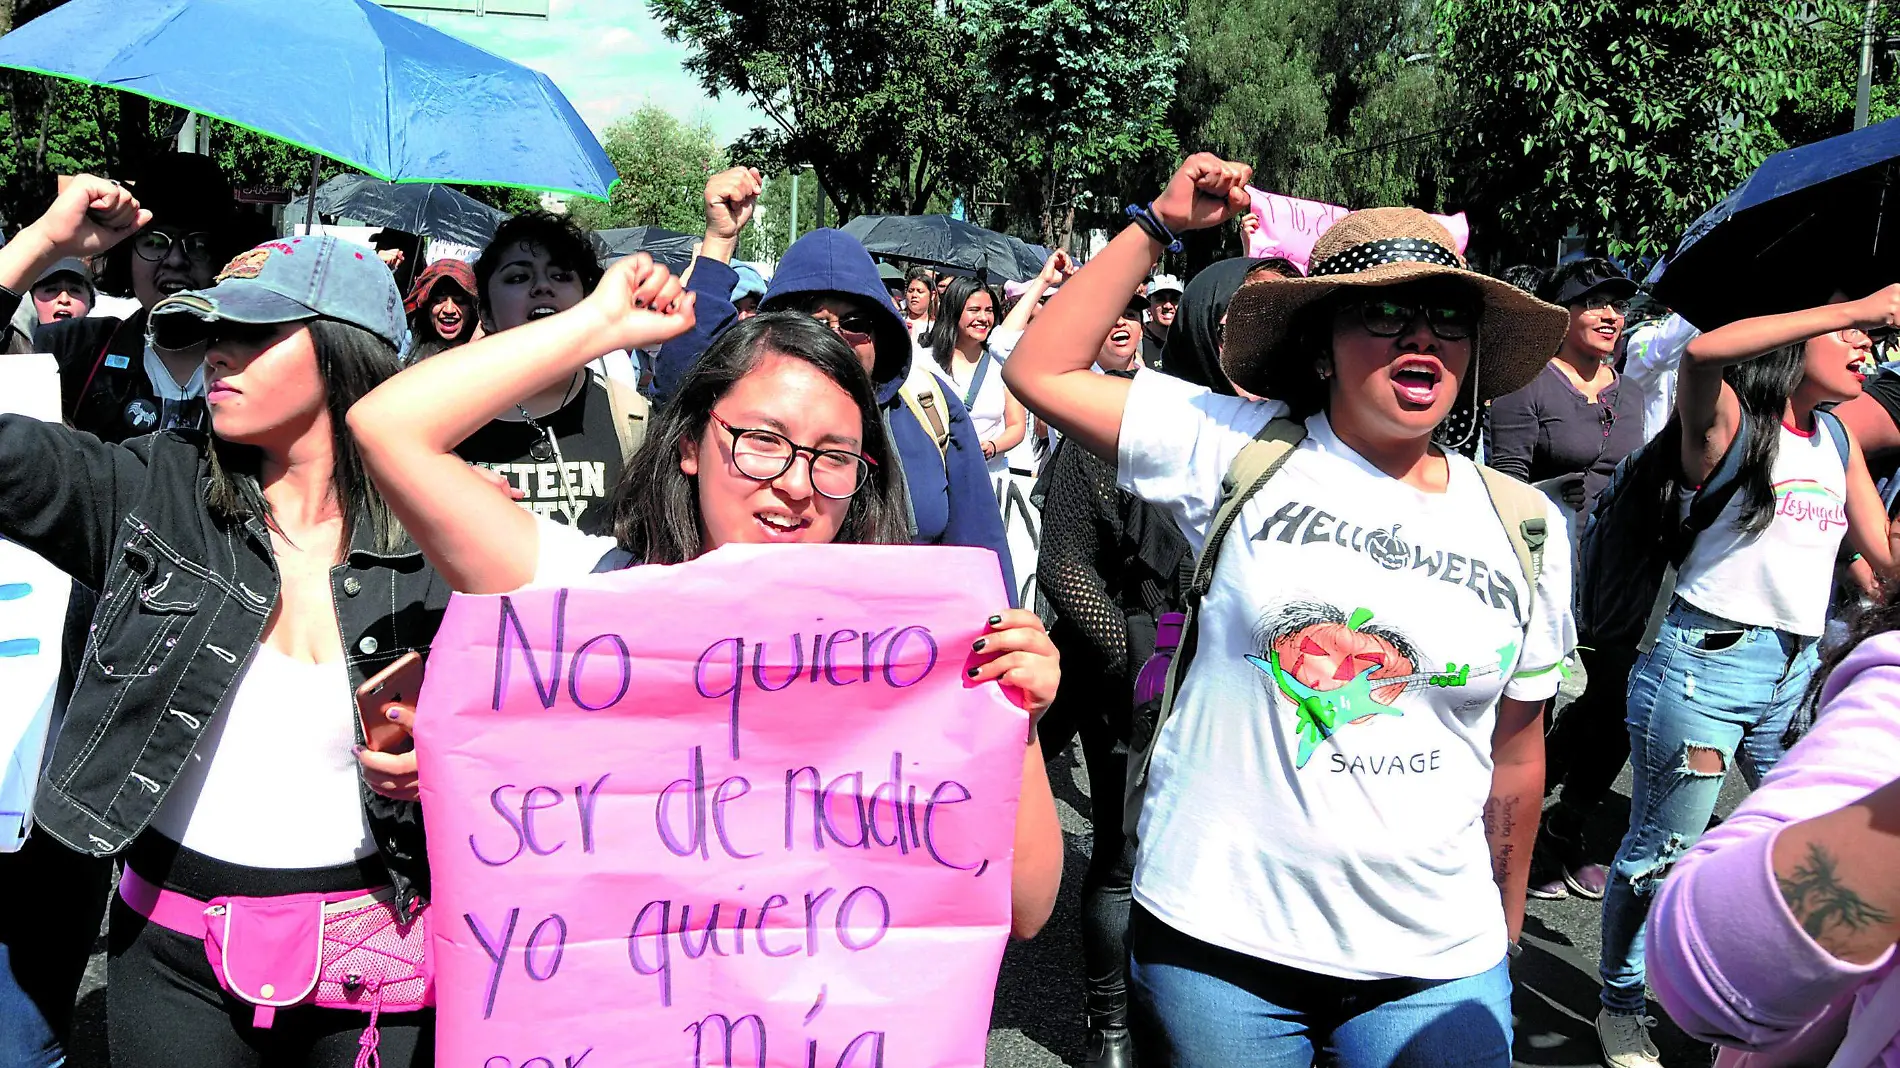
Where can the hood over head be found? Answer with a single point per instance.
(1192, 350)
(832, 261)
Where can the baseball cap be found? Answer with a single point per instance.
(1163, 283)
(1591, 278)
(750, 284)
(287, 281)
(70, 265)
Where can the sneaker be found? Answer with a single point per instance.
(1587, 880)
(1555, 888)
(1547, 878)
(1625, 1041)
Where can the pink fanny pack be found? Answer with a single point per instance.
(334, 951)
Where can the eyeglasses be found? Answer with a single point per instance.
(856, 328)
(763, 455)
(1614, 305)
(155, 245)
(1386, 318)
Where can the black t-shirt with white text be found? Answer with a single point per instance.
(577, 484)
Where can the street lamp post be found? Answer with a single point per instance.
(1864, 91)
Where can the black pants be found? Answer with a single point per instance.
(1590, 742)
(1107, 884)
(164, 1008)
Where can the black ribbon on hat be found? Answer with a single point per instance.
(1388, 250)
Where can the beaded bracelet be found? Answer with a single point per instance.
(1143, 215)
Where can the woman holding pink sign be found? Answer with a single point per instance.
(774, 437)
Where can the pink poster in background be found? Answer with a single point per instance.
(740, 810)
(1289, 226)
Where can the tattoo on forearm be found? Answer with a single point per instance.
(1830, 912)
(1500, 822)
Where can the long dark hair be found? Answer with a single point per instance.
(656, 505)
(943, 336)
(1862, 623)
(351, 361)
(1762, 387)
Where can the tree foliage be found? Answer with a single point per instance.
(663, 164)
(1626, 118)
(1333, 100)
(1081, 86)
(883, 100)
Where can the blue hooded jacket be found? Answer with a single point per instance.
(950, 493)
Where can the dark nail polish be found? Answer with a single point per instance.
(996, 620)
(972, 672)
(393, 714)
(978, 645)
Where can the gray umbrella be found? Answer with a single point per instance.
(947, 242)
(434, 211)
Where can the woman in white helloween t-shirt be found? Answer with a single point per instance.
(1338, 816)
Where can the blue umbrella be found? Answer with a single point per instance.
(342, 78)
(1808, 222)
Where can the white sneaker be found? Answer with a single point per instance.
(1625, 1041)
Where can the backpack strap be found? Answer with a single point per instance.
(630, 412)
(1257, 462)
(931, 410)
(1526, 522)
(1836, 430)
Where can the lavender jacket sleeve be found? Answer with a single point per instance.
(1727, 959)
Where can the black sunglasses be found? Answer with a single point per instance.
(1389, 318)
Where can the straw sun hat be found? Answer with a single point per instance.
(1517, 333)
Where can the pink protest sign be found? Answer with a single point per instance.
(1289, 226)
(740, 811)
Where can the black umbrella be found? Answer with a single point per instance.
(1809, 221)
(434, 211)
(668, 247)
(947, 242)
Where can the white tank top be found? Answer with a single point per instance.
(273, 782)
(1781, 577)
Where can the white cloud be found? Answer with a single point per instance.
(608, 56)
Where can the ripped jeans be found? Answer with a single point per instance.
(1709, 692)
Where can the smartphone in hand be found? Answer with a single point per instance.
(397, 684)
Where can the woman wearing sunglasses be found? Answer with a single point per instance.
(1336, 823)
(1730, 668)
(115, 385)
(775, 437)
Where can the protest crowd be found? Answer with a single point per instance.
(1320, 537)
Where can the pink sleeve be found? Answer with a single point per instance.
(1725, 956)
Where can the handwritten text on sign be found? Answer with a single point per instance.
(742, 811)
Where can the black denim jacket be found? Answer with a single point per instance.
(183, 599)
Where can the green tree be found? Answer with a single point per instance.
(1332, 100)
(1624, 118)
(769, 234)
(883, 99)
(663, 164)
(1830, 50)
(1081, 86)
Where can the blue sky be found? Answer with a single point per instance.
(608, 56)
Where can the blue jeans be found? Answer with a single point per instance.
(1200, 1006)
(1710, 687)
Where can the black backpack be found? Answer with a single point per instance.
(1626, 569)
